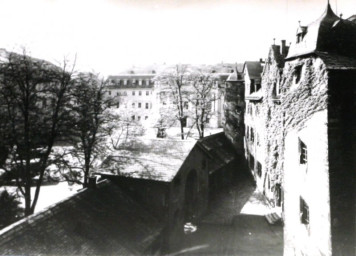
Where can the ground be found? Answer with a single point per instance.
(235, 225)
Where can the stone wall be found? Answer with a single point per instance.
(234, 107)
(342, 158)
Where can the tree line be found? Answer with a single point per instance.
(44, 105)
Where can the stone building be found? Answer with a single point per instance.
(300, 132)
(318, 158)
(136, 96)
(174, 179)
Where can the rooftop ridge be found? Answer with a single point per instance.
(45, 213)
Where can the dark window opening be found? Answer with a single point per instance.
(139, 93)
(146, 105)
(259, 169)
(303, 152)
(147, 93)
(298, 73)
(139, 105)
(133, 118)
(304, 211)
(252, 86)
(138, 118)
(278, 195)
(146, 117)
(252, 162)
(133, 93)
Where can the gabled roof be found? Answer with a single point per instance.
(97, 221)
(219, 149)
(329, 34)
(156, 159)
(254, 69)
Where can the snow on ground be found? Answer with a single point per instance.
(49, 194)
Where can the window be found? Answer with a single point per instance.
(139, 93)
(146, 117)
(186, 105)
(258, 86)
(146, 105)
(298, 73)
(133, 118)
(139, 118)
(147, 93)
(118, 105)
(164, 103)
(303, 152)
(109, 92)
(304, 212)
(139, 105)
(259, 169)
(125, 93)
(252, 86)
(133, 105)
(133, 93)
(252, 135)
(252, 162)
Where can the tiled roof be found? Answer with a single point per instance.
(218, 148)
(97, 221)
(254, 69)
(156, 159)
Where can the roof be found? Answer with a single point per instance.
(219, 149)
(254, 69)
(329, 34)
(337, 62)
(156, 159)
(100, 221)
(132, 76)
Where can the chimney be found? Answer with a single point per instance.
(284, 49)
(92, 182)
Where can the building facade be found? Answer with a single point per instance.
(136, 96)
(299, 134)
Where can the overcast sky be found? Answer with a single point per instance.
(109, 35)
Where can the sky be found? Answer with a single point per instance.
(107, 36)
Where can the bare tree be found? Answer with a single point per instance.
(89, 118)
(202, 98)
(35, 102)
(174, 82)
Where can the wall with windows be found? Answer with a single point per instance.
(307, 226)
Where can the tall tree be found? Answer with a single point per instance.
(89, 118)
(174, 81)
(35, 98)
(202, 98)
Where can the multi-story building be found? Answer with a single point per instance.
(136, 96)
(300, 131)
(254, 131)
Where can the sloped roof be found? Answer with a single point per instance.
(337, 62)
(254, 69)
(100, 221)
(219, 149)
(329, 33)
(156, 159)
